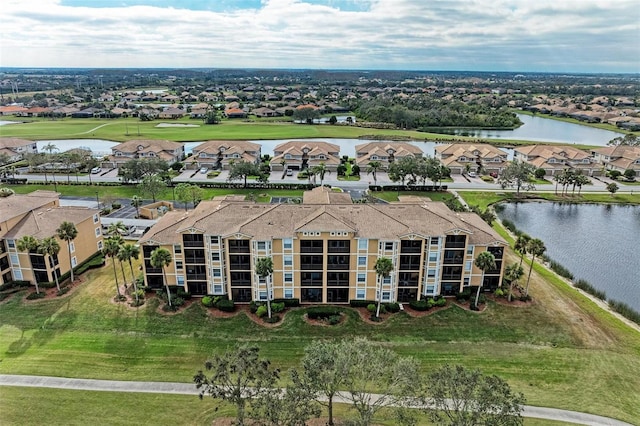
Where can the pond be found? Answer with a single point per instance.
(597, 243)
(540, 129)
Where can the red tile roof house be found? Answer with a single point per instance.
(168, 151)
(385, 152)
(300, 155)
(172, 113)
(235, 113)
(619, 158)
(458, 155)
(555, 158)
(220, 154)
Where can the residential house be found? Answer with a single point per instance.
(264, 112)
(385, 152)
(235, 113)
(172, 113)
(12, 109)
(463, 157)
(556, 158)
(16, 148)
(300, 155)
(168, 151)
(39, 214)
(323, 250)
(220, 154)
(620, 158)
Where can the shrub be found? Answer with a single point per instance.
(274, 319)
(463, 295)
(184, 294)
(584, 285)
(360, 303)
(473, 306)
(35, 295)
(14, 284)
(177, 301)
(116, 206)
(419, 305)
(289, 303)
(334, 319)
(226, 305)
(498, 292)
(524, 298)
(120, 298)
(510, 226)
(392, 307)
(539, 173)
(371, 307)
(322, 312)
(375, 318)
(625, 310)
(134, 304)
(207, 301)
(560, 270)
(277, 307)
(63, 291)
(439, 302)
(261, 311)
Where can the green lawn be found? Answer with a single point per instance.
(483, 199)
(537, 351)
(391, 196)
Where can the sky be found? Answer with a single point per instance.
(580, 36)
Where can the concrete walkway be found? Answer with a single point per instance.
(190, 389)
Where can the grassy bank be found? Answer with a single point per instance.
(535, 347)
(485, 198)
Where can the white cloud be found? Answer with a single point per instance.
(541, 35)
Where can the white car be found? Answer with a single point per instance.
(96, 170)
(204, 170)
(289, 172)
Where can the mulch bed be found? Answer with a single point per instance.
(419, 314)
(323, 323)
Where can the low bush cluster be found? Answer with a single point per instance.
(625, 310)
(426, 304)
(14, 285)
(464, 295)
(35, 295)
(63, 291)
(261, 311)
(560, 270)
(323, 312)
(288, 303)
(226, 305)
(360, 303)
(586, 286)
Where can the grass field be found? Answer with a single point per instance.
(560, 351)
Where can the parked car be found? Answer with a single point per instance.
(493, 174)
(96, 170)
(204, 170)
(472, 174)
(289, 172)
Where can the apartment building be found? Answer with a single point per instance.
(39, 214)
(385, 152)
(15, 148)
(221, 154)
(323, 250)
(459, 157)
(168, 151)
(300, 155)
(556, 158)
(620, 158)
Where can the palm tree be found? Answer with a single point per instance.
(580, 181)
(136, 202)
(126, 253)
(485, 261)
(512, 273)
(536, 248)
(373, 167)
(50, 148)
(68, 232)
(160, 258)
(29, 244)
(321, 170)
(49, 247)
(110, 249)
(521, 245)
(116, 229)
(264, 268)
(383, 267)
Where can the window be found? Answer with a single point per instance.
(431, 289)
(433, 256)
(388, 245)
(363, 244)
(74, 262)
(179, 264)
(177, 248)
(217, 273)
(17, 274)
(287, 243)
(215, 257)
(14, 259)
(215, 240)
(386, 295)
(434, 241)
(11, 243)
(72, 247)
(288, 293)
(362, 278)
(262, 245)
(288, 277)
(262, 295)
(100, 245)
(470, 249)
(386, 280)
(180, 279)
(217, 289)
(467, 265)
(360, 294)
(288, 260)
(466, 282)
(95, 218)
(362, 260)
(98, 232)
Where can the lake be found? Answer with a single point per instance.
(598, 243)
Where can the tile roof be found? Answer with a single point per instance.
(14, 142)
(18, 204)
(43, 222)
(148, 145)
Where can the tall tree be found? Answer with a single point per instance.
(521, 244)
(612, 188)
(29, 244)
(458, 396)
(517, 174)
(116, 229)
(152, 186)
(512, 273)
(161, 258)
(383, 267)
(136, 202)
(629, 139)
(485, 262)
(50, 148)
(373, 168)
(264, 269)
(110, 248)
(126, 253)
(49, 247)
(536, 248)
(238, 377)
(242, 170)
(186, 192)
(325, 371)
(321, 170)
(67, 232)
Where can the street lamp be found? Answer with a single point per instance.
(97, 199)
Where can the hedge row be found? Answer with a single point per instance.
(95, 261)
(424, 188)
(14, 285)
(323, 312)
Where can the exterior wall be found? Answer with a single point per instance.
(318, 267)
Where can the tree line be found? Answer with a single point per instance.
(361, 373)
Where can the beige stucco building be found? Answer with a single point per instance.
(323, 250)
